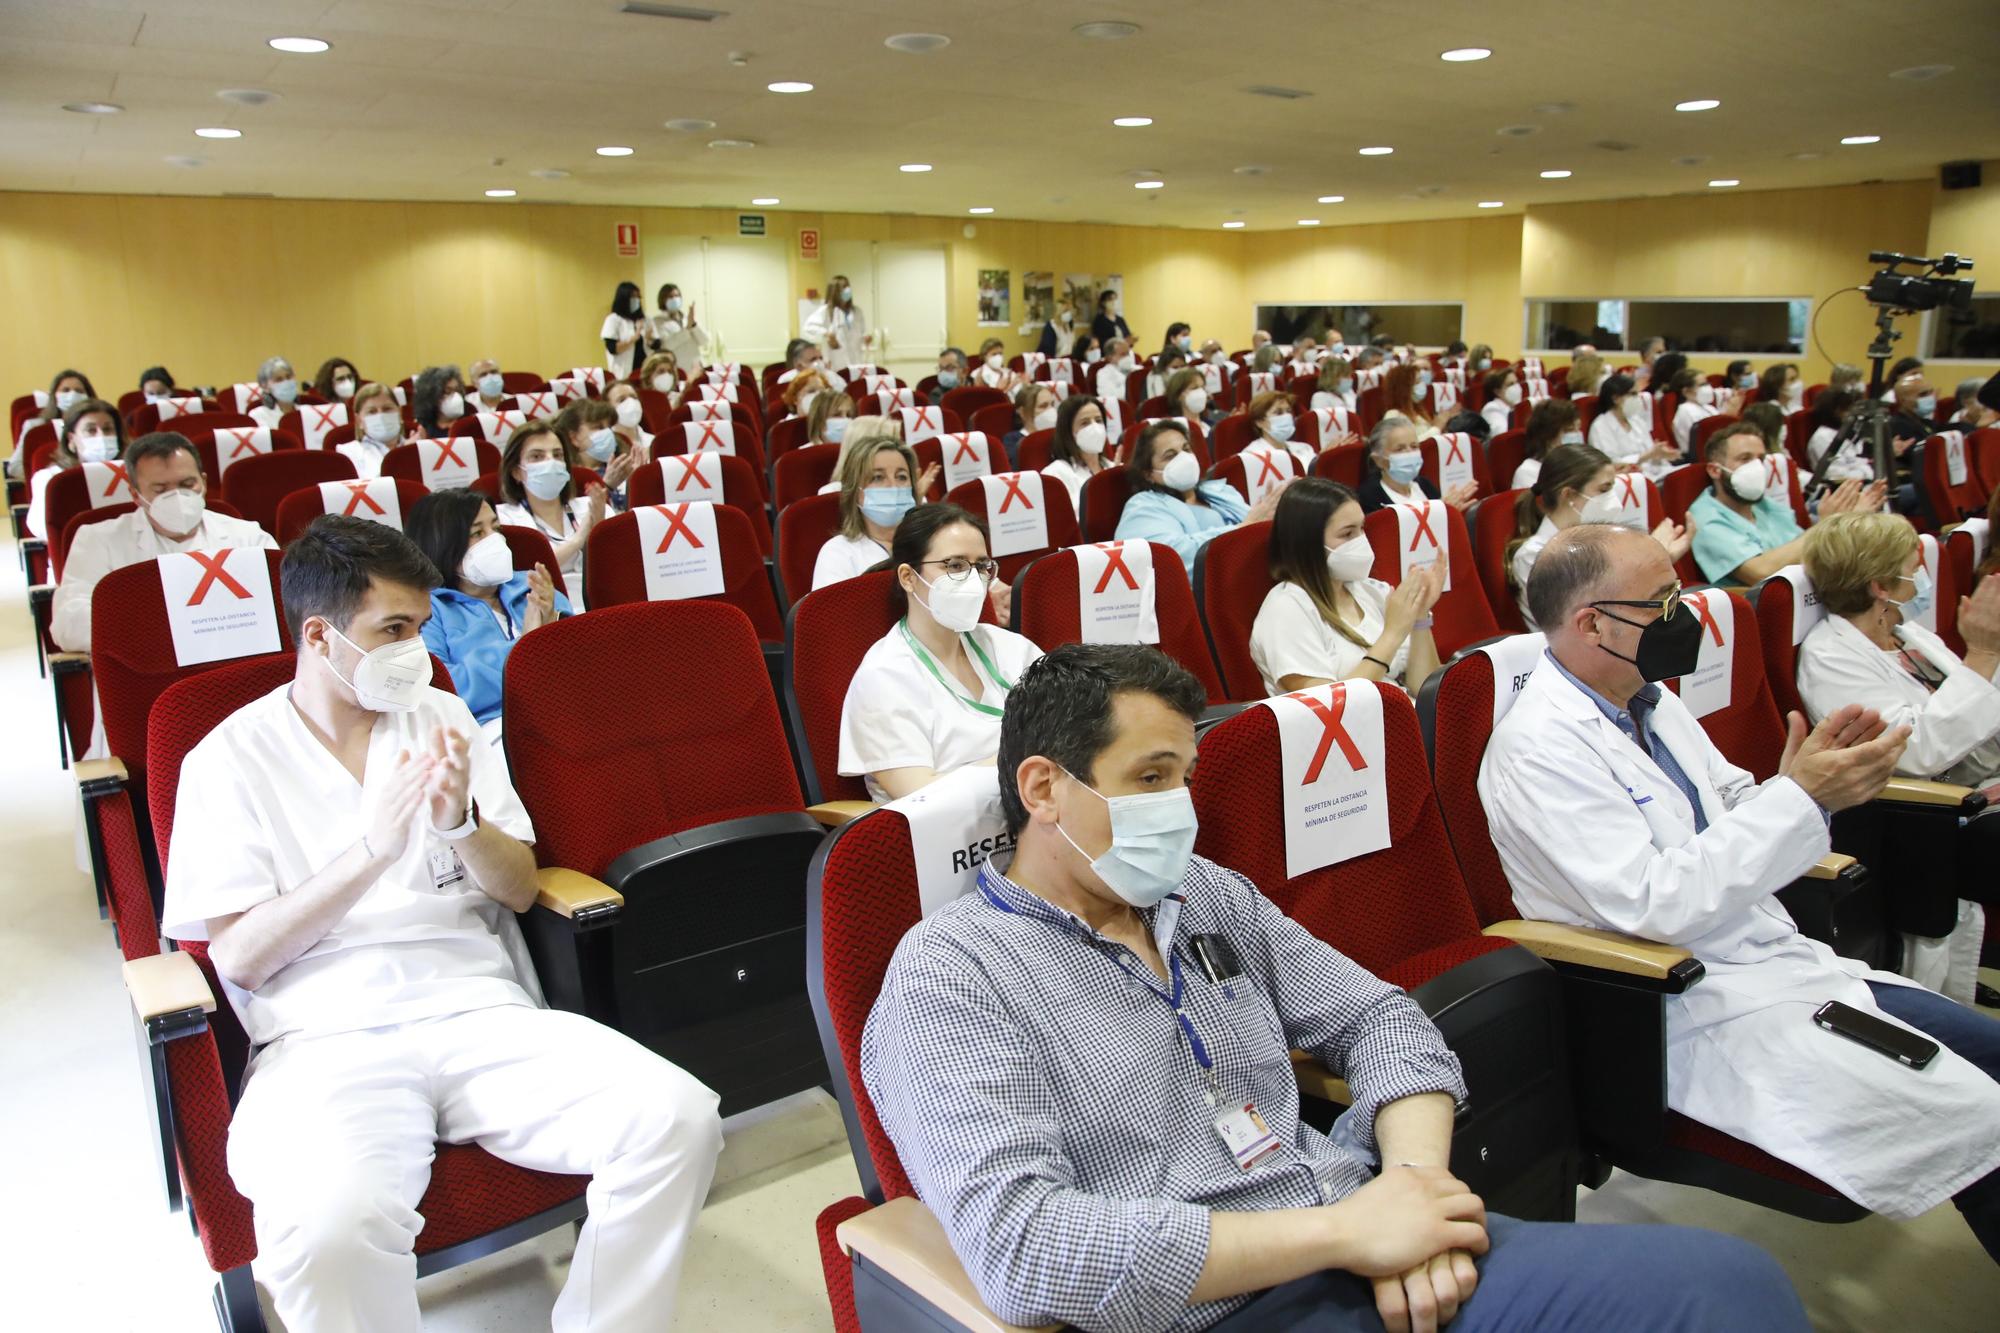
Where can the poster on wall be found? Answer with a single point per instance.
(1082, 290)
(996, 297)
(1038, 299)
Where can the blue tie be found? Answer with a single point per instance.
(1641, 708)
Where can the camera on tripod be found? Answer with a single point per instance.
(1919, 291)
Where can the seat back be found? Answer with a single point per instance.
(1748, 730)
(1342, 463)
(614, 568)
(665, 480)
(297, 510)
(257, 485)
(1230, 435)
(529, 548)
(1786, 609)
(803, 527)
(79, 489)
(691, 436)
(827, 633)
(146, 420)
(1493, 523)
(227, 446)
(1232, 573)
(1062, 527)
(1964, 551)
(405, 461)
(969, 398)
(60, 542)
(799, 473)
(1680, 488)
(696, 755)
(1460, 450)
(1197, 438)
(1461, 615)
(1252, 473)
(1984, 445)
(1104, 497)
(1048, 610)
(995, 421)
(1034, 451)
(1951, 483)
(783, 437)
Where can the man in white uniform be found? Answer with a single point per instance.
(356, 865)
(1118, 363)
(1611, 808)
(172, 516)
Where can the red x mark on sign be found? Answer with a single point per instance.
(1267, 468)
(246, 442)
(962, 451)
(114, 478)
(1114, 563)
(212, 573)
(448, 453)
(536, 404)
(1423, 518)
(690, 473)
(676, 516)
(1456, 445)
(1628, 492)
(1700, 605)
(322, 419)
(357, 495)
(1331, 733)
(922, 418)
(1774, 469)
(711, 436)
(1012, 481)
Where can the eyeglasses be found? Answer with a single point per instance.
(957, 566)
(1666, 605)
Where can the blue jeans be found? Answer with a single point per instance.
(1555, 1276)
(1974, 1037)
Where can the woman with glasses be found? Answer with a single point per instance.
(927, 698)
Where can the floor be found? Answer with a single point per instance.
(89, 1222)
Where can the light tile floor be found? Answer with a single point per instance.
(91, 1246)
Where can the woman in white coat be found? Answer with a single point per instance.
(1873, 650)
(1623, 429)
(674, 330)
(1673, 843)
(839, 327)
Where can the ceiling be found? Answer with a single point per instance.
(444, 99)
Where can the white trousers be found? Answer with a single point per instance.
(333, 1139)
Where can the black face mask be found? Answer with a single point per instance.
(1668, 647)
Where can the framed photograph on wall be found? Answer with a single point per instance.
(996, 299)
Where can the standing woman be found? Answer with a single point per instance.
(437, 398)
(1076, 449)
(839, 326)
(278, 386)
(675, 332)
(621, 331)
(1110, 322)
(537, 491)
(337, 379)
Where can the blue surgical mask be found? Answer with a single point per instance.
(1345, 386)
(545, 478)
(492, 385)
(1927, 406)
(1404, 467)
(673, 305)
(285, 391)
(1152, 841)
(884, 506)
(835, 429)
(1919, 603)
(603, 444)
(1746, 381)
(1183, 342)
(1423, 380)
(1281, 425)
(947, 379)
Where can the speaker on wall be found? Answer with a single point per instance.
(1959, 175)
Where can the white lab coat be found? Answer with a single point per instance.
(1849, 464)
(690, 344)
(1592, 832)
(1955, 731)
(128, 539)
(1499, 414)
(852, 327)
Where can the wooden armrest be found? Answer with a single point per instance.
(1922, 791)
(167, 983)
(572, 893)
(1314, 1081)
(99, 773)
(1600, 949)
(60, 660)
(904, 1239)
(835, 813)
(1830, 866)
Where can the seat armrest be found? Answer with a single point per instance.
(1831, 866)
(1665, 965)
(167, 984)
(1922, 791)
(835, 813)
(577, 896)
(99, 777)
(69, 661)
(1315, 1081)
(905, 1241)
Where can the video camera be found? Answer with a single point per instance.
(1914, 291)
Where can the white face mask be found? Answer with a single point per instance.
(1748, 483)
(487, 562)
(1183, 473)
(96, 448)
(389, 679)
(343, 389)
(66, 399)
(1571, 437)
(1705, 395)
(1090, 439)
(1511, 395)
(1281, 425)
(381, 427)
(1601, 508)
(663, 382)
(1152, 842)
(1128, 363)
(1795, 391)
(545, 478)
(178, 511)
(630, 412)
(955, 603)
(1634, 409)
(1351, 561)
(492, 384)
(996, 362)
(1092, 357)
(1195, 401)
(1045, 419)
(452, 407)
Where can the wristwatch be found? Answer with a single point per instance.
(466, 829)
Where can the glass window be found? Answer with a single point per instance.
(1418, 323)
(1966, 335)
(1774, 324)
(1557, 324)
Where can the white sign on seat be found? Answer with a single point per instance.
(956, 826)
(233, 444)
(219, 604)
(1117, 598)
(447, 464)
(695, 476)
(1423, 531)
(713, 436)
(966, 455)
(317, 421)
(1334, 780)
(1016, 512)
(1706, 689)
(1513, 660)
(681, 554)
(374, 500)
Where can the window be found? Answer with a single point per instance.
(1423, 324)
(1964, 335)
(1774, 324)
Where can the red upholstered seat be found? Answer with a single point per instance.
(1104, 497)
(613, 571)
(1461, 615)
(1750, 732)
(297, 510)
(1493, 523)
(1197, 438)
(971, 497)
(1948, 501)
(1231, 434)
(659, 481)
(799, 473)
(674, 440)
(827, 634)
(1232, 573)
(146, 420)
(1342, 463)
(1035, 450)
(257, 485)
(783, 437)
(1984, 447)
(969, 398)
(803, 527)
(405, 462)
(1431, 447)
(529, 548)
(996, 421)
(1048, 610)
(1505, 453)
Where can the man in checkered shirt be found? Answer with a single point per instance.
(1091, 1085)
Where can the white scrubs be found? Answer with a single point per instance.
(415, 1020)
(521, 516)
(1291, 638)
(845, 557)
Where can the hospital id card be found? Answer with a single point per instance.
(447, 871)
(1244, 1133)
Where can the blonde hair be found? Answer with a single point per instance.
(856, 462)
(367, 394)
(866, 428)
(1586, 372)
(1332, 370)
(1845, 553)
(653, 365)
(823, 407)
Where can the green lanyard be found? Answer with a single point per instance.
(972, 645)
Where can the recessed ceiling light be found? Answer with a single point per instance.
(1724, 183)
(614, 150)
(1918, 73)
(550, 174)
(917, 43)
(1149, 185)
(1132, 122)
(980, 210)
(1555, 175)
(766, 201)
(1492, 203)
(732, 143)
(1699, 104)
(1105, 31)
(1462, 54)
(915, 168)
(1862, 138)
(1233, 225)
(1333, 199)
(499, 194)
(1308, 222)
(93, 108)
(789, 86)
(217, 132)
(690, 125)
(299, 46)
(1376, 152)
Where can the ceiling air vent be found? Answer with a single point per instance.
(1282, 94)
(1614, 145)
(688, 12)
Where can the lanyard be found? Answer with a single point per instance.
(972, 645)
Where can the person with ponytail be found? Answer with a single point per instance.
(1575, 486)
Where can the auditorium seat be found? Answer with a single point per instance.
(1344, 463)
(969, 398)
(1492, 524)
(257, 485)
(1016, 492)
(1232, 572)
(665, 480)
(1034, 451)
(297, 510)
(405, 461)
(1047, 609)
(1951, 485)
(613, 569)
(1461, 615)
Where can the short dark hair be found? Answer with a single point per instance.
(512, 491)
(1718, 443)
(913, 540)
(1141, 462)
(627, 292)
(156, 373)
(440, 525)
(1061, 708)
(328, 568)
(160, 444)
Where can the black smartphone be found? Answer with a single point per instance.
(1898, 1044)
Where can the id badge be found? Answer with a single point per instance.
(447, 871)
(1243, 1131)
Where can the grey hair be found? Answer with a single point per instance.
(1569, 571)
(1844, 371)
(1366, 358)
(958, 352)
(1378, 437)
(272, 364)
(1968, 390)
